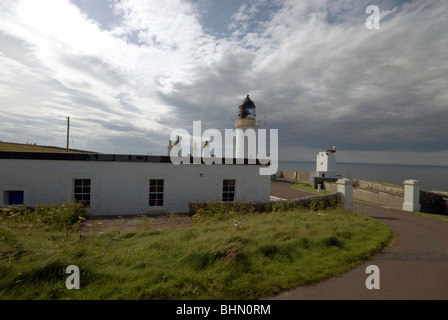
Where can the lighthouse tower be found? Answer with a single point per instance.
(326, 163)
(246, 120)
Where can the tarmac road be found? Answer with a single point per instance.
(413, 267)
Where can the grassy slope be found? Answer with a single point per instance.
(244, 257)
(7, 146)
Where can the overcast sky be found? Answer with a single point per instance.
(128, 72)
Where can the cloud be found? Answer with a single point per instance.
(322, 83)
(139, 69)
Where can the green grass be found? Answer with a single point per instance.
(308, 188)
(248, 256)
(365, 201)
(432, 215)
(7, 146)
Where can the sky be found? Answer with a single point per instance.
(128, 72)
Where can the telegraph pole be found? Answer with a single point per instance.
(68, 131)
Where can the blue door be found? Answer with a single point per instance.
(15, 197)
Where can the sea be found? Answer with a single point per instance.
(432, 178)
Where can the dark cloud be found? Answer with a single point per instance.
(214, 97)
(123, 98)
(377, 92)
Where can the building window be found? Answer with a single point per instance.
(228, 190)
(156, 192)
(81, 191)
(13, 197)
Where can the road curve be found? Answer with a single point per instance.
(413, 267)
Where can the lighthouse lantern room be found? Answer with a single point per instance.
(246, 120)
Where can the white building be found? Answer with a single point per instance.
(326, 164)
(124, 184)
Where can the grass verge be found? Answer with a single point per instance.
(308, 188)
(21, 147)
(432, 215)
(249, 256)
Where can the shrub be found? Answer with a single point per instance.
(56, 217)
(220, 210)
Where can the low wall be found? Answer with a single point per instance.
(386, 199)
(393, 197)
(294, 175)
(325, 182)
(385, 195)
(289, 175)
(382, 194)
(372, 192)
(434, 202)
(329, 186)
(378, 187)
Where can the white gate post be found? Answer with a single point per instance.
(411, 195)
(345, 186)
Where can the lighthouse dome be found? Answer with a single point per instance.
(247, 109)
(247, 102)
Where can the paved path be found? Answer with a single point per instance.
(414, 266)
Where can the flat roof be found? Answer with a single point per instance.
(100, 157)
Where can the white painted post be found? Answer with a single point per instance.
(411, 195)
(345, 186)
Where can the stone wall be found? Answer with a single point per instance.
(325, 183)
(289, 175)
(330, 186)
(294, 175)
(434, 202)
(378, 187)
(393, 197)
(373, 192)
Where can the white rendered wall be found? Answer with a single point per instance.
(123, 187)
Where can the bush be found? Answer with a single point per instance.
(56, 217)
(220, 210)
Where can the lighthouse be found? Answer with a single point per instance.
(246, 143)
(326, 163)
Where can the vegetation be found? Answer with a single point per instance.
(239, 255)
(305, 186)
(220, 210)
(432, 215)
(365, 201)
(8, 146)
